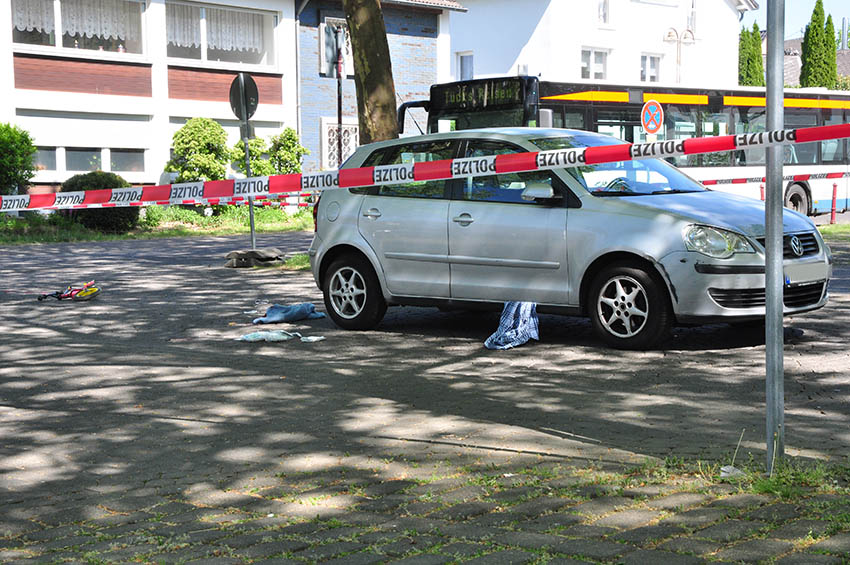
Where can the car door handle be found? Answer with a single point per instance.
(372, 213)
(464, 219)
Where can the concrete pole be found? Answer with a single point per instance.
(774, 276)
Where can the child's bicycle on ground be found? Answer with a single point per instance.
(84, 292)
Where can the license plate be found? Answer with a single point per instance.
(805, 272)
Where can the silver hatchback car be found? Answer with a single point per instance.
(636, 245)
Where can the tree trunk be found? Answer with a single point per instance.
(373, 73)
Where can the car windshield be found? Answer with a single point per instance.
(622, 178)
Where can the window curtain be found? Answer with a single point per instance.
(183, 25)
(33, 15)
(120, 19)
(229, 30)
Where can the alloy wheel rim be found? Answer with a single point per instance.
(623, 307)
(348, 293)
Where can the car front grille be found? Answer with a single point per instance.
(809, 241)
(796, 296)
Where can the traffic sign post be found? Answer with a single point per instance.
(652, 117)
(244, 98)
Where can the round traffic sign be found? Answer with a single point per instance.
(244, 96)
(652, 117)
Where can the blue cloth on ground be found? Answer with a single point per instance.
(295, 312)
(517, 325)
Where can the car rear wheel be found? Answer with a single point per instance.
(630, 308)
(352, 294)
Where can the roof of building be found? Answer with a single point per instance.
(744, 5)
(441, 4)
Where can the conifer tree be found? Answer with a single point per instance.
(830, 48)
(743, 57)
(756, 63)
(813, 56)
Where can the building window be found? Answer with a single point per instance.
(45, 159)
(649, 65)
(464, 66)
(328, 47)
(100, 25)
(603, 12)
(219, 34)
(330, 147)
(80, 159)
(594, 64)
(127, 160)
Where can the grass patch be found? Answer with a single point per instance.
(835, 232)
(158, 221)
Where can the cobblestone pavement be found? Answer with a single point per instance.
(134, 429)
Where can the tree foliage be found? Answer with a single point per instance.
(200, 151)
(280, 156)
(111, 220)
(16, 158)
(373, 74)
(818, 53)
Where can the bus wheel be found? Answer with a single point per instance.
(797, 200)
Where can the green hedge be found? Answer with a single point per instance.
(112, 220)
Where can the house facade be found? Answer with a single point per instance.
(675, 42)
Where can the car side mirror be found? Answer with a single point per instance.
(538, 191)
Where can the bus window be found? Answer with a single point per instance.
(680, 122)
(574, 119)
(833, 150)
(715, 124)
(801, 153)
(750, 120)
(623, 124)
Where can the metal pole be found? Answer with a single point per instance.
(774, 276)
(339, 47)
(247, 158)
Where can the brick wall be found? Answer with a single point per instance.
(412, 38)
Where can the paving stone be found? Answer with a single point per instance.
(437, 487)
(128, 553)
(755, 551)
(730, 530)
(301, 528)
(388, 487)
(421, 508)
(379, 537)
(172, 508)
(119, 520)
(405, 545)
(421, 525)
(7, 555)
(592, 549)
(365, 518)
(246, 540)
(601, 506)
(809, 559)
(10, 527)
(464, 511)
(644, 556)
(566, 561)
(332, 534)
(363, 558)
(697, 517)
(678, 501)
(267, 549)
(800, 529)
(540, 505)
(742, 501)
(217, 561)
(648, 534)
(528, 539)
(496, 519)
(468, 531)
(555, 520)
(514, 494)
(690, 545)
(628, 519)
(53, 533)
(463, 494)
(182, 555)
(329, 550)
(587, 531)
(61, 543)
(774, 513)
(424, 559)
(385, 504)
(463, 549)
(508, 557)
(647, 491)
(839, 543)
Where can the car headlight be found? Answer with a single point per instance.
(715, 242)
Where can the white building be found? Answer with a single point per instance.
(684, 42)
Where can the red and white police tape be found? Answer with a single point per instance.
(236, 191)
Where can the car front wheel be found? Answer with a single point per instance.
(352, 294)
(630, 308)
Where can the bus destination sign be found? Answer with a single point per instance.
(480, 94)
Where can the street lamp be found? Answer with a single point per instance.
(686, 37)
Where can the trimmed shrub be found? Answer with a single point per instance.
(200, 151)
(16, 158)
(113, 220)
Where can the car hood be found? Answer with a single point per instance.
(737, 213)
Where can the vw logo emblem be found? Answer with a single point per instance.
(796, 246)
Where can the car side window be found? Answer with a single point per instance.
(506, 187)
(416, 153)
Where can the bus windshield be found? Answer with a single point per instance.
(622, 178)
(472, 120)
